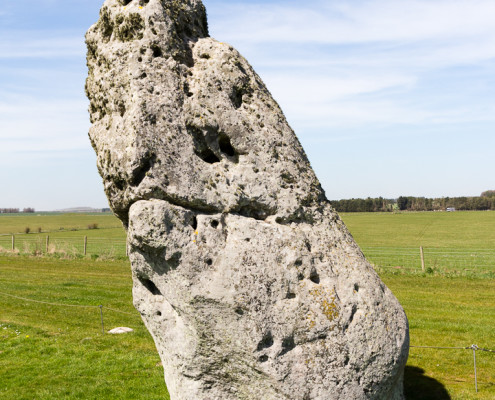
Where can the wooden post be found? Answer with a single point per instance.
(47, 243)
(422, 258)
(85, 244)
(13, 242)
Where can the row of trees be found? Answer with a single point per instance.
(486, 201)
(16, 210)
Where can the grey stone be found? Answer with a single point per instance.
(247, 279)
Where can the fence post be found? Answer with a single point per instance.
(47, 243)
(474, 347)
(422, 258)
(85, 244)
(101, 314)
(13, 242)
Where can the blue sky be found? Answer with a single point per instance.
(388, 98)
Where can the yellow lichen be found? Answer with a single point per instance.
(326, 301)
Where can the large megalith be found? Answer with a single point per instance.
(247, 279)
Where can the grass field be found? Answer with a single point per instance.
(66, 233)
(458, 243)
(54, 352)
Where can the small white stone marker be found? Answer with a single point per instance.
(120, 329)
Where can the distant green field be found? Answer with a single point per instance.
(461, 229)
(454, 243)
(65, 232)
(460, 242)
(48, 222)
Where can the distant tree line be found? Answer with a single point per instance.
(486, 201)
(16, 210)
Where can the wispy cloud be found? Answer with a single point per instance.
(356, 22)
(369, 62)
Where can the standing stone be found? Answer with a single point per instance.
(247, 279)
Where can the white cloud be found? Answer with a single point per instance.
(360, 64)
(356, 22)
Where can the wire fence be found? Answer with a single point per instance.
(474, 349)
(100, 306)
(401, 258)
(442, 259)
(71, 245)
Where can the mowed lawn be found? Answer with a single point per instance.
(55, 352)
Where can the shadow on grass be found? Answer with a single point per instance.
(418, 386)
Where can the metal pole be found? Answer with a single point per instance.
(85, 244)
(101, 314)
(474, 347)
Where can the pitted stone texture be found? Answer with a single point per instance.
(248, 281)
(186, 119)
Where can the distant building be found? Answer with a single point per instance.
(450, 209)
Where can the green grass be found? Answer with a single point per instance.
(448, 312)
(454, 243)
(54, 352)
(460, 229)
(66, 234)
(49, 222)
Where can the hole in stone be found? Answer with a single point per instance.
(201, 148)
(139, 173)
(314, 277)
(208, 156)
(298, 262)
(308, 246)
(225, 145)
(158, 313)
(143, 75)
(214, 223)
(287, 345)
(125, 2)
(247, 240)
(148, 284)
(143, 2)
(140, 59)
(356, 287)
(266, 342)
(209, 261)
(157, 51)
(236, 96)
(291, 295)
(121, 108)
(194, 223)
(300, 276)
(263, 358)
(239, 311)
(119, 183)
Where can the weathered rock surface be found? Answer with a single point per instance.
(248, 281)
